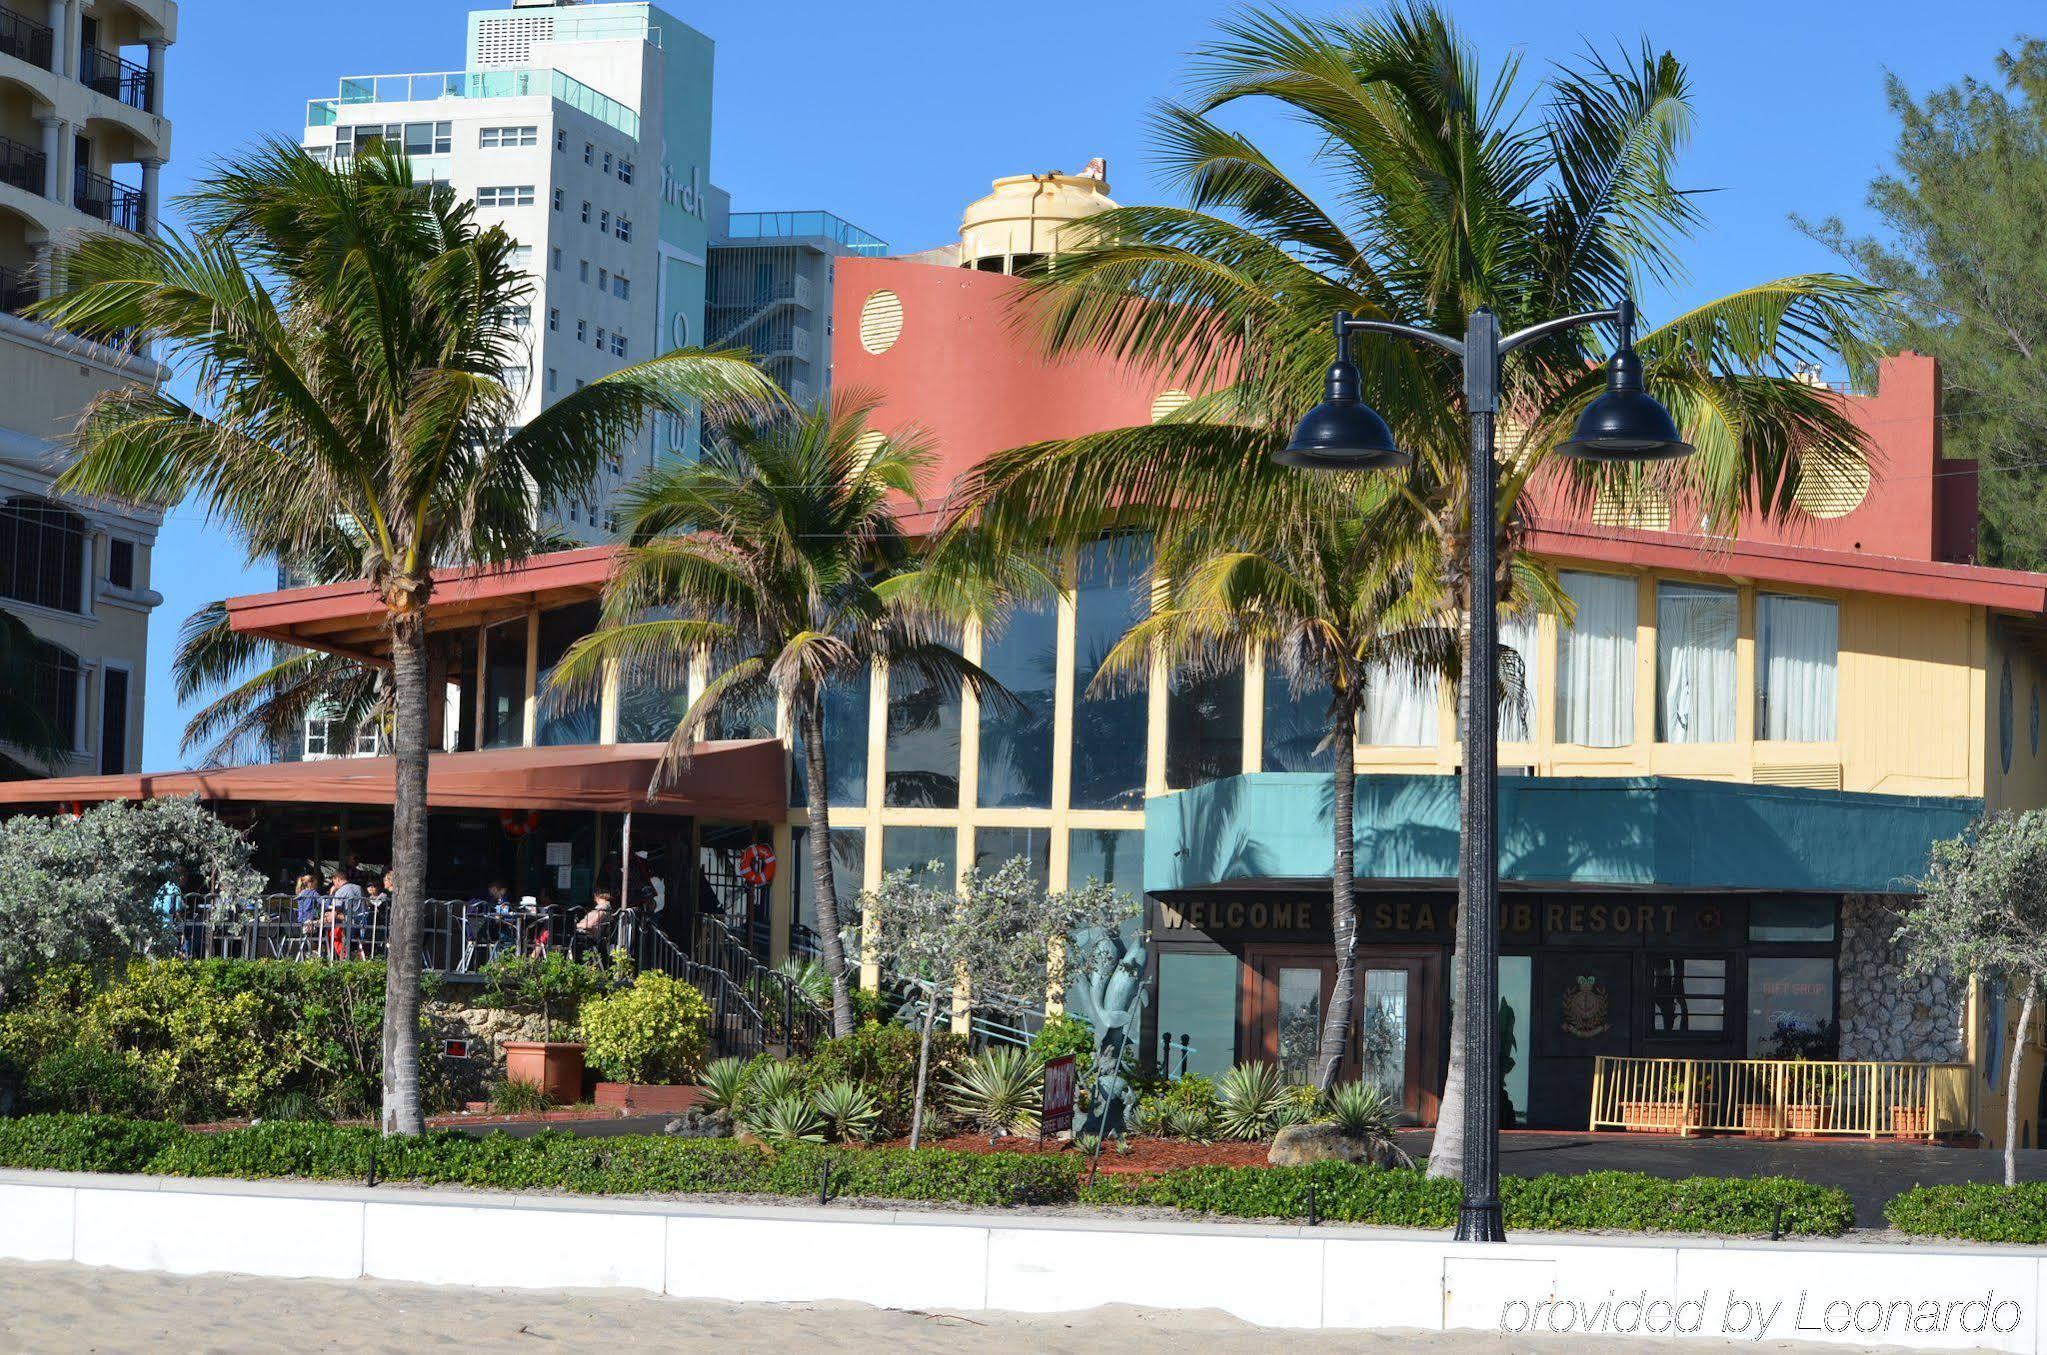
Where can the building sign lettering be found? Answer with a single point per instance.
(688, 196)
(1233, 915)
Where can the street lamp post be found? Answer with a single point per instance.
(1343, 433)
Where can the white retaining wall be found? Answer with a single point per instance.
(1929, 1297)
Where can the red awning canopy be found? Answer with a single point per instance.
(737, 780)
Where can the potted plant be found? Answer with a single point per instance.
(553, 988)
(648, 1041)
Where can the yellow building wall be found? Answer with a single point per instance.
(1991, 1101)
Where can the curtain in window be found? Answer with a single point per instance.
(1517, 633)
(1695, 629)
(1400, 708)
(1797, 655)
(1596, 663)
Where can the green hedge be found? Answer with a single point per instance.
(1616, 1201)
(643, 1165)
(1979, 1213)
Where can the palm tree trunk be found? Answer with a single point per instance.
(1343, 912)
(403, 1113)
(2011, 1081)
(1446, 1149)
(822, 876)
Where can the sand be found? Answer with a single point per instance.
(77, 1308)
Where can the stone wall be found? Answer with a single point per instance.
(1884, 1014)
(486, 1029)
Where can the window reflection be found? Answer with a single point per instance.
(1016, 744)
(849, 867)
(994, 848)
(1109, 728)
(919, 850)
(1296, 723)
(923, 744)
(1204, 727)
(504, 685)
(565, 719)
(844, 714)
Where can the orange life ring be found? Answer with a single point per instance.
(517, 823)
(757, 864)
(74, 809)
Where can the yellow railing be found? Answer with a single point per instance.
(1771, 1098)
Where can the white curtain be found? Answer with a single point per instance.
(1797, 656)
(1400, 708)
(1517, 633)
(1596, 663)
(1695, 629)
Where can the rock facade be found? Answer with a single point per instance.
(1884, 1014)
(486, 1029)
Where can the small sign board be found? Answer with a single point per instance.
(561, 853)
(1061, 1084)
(455, 1049)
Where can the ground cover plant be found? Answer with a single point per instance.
(1978, 1213)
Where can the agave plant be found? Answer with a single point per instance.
(1183, 1121)
(783, 1120)
(1365, 1112)
(848, 1109)
(1000, 1091)
(810, 978)
(1253, 1095)
(770, 1080)
(724, 1085)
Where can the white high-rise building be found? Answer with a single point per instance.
(82, 141)
(584, 130)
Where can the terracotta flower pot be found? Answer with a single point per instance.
(1808, 1119)
(1655, 1117)
(1759, 1120)
(1909, 1122)
(555, 1066)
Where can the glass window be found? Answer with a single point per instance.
(1204, 727)
(564, 720)
(1791, 919)
(919, 850)
(1296, 723)
(1791, 1007)
(1518, 637)
(849, 868)
(58, 680)
(1695, 629)
(504, 685)
(1797, 653)
(994, 847)
(1016, 744)
(1109, 727)
(120, 562)
(1197, 1013)
(1383, 1034)
(1300, 1022)
(517, 195)
(1687, 995)
(1517, 984)
(748, 713)
(623, 229)
(844, 715)
(923, 766)
(42, 554)
(1114, 856)
(1400, 708)
(1596, 663)
(650, 706)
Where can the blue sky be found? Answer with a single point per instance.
(896, 115)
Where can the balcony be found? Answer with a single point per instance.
(116, 204)
(797, 225)
(434, 86)
(116, 77)
(26, 39)
(17, 290)
(23, 167)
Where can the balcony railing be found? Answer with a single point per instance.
(23, 167)
(431, 87)
(26, 39)
(116, 77)
(114, 203)
(795, 225)
(1772, 1098)
(17, 289)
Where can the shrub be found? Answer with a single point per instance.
(85, 1077)
(883, 1059)
(1189, 1100)
(1364, 1112)
(770, 1079)
(724, 1085)
(516, 1096)
(1000, 1091)
(1979, 1213)
(552, 987)
(653, 1031)
(848, 1110)
(785, 1119)
(1063, 1035)
(1250, 1098)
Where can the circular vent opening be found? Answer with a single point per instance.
(881, 322)
(1641, 508)
(1832, 489)
(1168, 404)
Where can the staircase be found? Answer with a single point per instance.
(791, 1017)
(739, 1027)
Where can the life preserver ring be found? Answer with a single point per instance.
(74, 809)
(517, 823)
(757, 864)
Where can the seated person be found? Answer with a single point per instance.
(591, 928)
(308, 905)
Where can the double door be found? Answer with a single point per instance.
(1396, 1026)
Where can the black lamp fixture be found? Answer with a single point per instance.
(1343, 432)
(1627, 423)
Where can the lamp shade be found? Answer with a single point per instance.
(1343, 433)
(1626, 423)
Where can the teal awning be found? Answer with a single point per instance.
(1651, 831)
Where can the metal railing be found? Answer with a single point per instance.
(116, 77)
(433, 86)
(786, 1008)
(1772, 1098)
(26, 38)
(797, 225)
(24, 167)
(17, 290)
(114, 203)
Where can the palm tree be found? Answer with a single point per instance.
(349, 333)
(1451, 189)
(29, 744)
(783, 555)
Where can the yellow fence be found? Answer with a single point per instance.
(1770, 1098)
